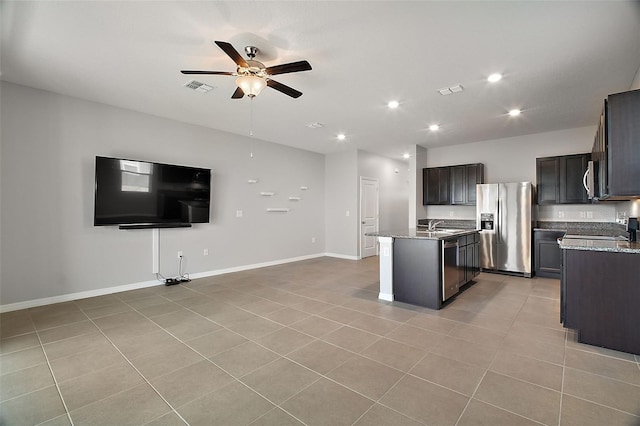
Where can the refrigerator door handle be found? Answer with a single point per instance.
(498, 223)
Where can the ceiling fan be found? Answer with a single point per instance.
(252, 75)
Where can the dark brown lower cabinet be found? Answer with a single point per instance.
(600, 298)
(547, 253)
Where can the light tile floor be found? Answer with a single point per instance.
(309, 343)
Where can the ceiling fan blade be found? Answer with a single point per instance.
(238, 94)
(207, 72)
(284, 89)
(232, 53)
(287, 68)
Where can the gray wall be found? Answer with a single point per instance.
(49, 246)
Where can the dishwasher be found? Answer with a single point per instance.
(450, 281)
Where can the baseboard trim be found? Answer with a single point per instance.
(135, 286)
(385, 296)
(342, 256)
(254, 266)
(76, 296)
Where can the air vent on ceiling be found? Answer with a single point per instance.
(449, 90)
(197, 86)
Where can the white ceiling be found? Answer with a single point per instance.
(559, 60)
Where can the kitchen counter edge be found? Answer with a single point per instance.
(413, 233)
(600, 245)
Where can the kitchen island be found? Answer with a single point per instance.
(426, 268)
(600, 294)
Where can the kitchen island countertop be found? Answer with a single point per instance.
(599, 245)
(418, 233)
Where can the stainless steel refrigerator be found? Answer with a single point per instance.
(505, 223)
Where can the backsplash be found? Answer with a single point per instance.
(450, 223)
(577, 212)
(588, 228)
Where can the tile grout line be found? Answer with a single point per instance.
(137, 371)
(53, 376)
(502, 343)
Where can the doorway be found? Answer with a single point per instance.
(369, 210)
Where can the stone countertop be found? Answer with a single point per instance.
(415, 233)
(599, 245)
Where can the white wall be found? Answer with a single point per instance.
(49, 246)
(393, 186)
(341, 186)
(420, 163)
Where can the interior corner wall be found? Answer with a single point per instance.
(393, 188)
(341, 206)
(635, 84)
(49, 246)
(421, 163)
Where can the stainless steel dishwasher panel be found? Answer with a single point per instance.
(449, 268)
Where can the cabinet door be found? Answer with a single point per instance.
(547, 170)
(547, 254)
(623, 143)
(462, 265)
(473, 260)
(474, 176)
(444, 196)
(458, 185)
(435, 185)
(571, 171)
(429, 186)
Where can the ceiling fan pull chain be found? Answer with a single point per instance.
(251, 127)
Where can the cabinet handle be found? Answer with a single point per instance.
(584, 180)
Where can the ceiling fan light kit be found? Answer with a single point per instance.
(253, 76)
(251, 85)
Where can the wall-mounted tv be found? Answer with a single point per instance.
(141, 194)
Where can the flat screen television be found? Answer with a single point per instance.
(141, 194)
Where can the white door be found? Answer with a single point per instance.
(368, 216)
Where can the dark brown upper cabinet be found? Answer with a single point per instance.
(616, 149)
(452, 185)
(435, 186)
(560, 179)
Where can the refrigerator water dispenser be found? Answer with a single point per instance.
(486, 221)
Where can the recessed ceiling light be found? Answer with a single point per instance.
(315, 125)
(434, 127)
(341, 136)
(514, 112)
(406, 156)
(494, 77)
(393, 104)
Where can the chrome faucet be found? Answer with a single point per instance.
(432, 225)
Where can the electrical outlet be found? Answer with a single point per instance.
(179, 254)
(313, 239)
(583, 215)
(451, 214)
(347, 213)
(589, 215)
(238, 213)
(561, 215)
(206, 252)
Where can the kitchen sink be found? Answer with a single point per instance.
(437, 232)
(441, 231)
